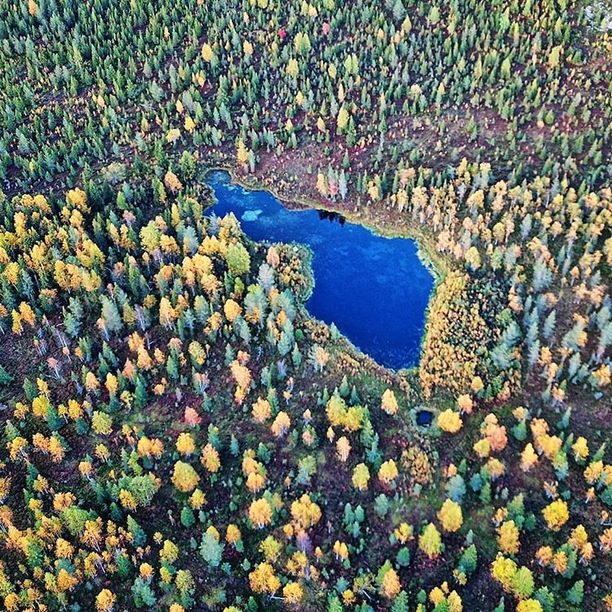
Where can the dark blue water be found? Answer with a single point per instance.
(424, 418)
(374, 289)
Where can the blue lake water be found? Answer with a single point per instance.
(374, 289)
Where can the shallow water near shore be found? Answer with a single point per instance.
(375, 289)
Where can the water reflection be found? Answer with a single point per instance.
(374, 289)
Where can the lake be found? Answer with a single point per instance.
(374, 289)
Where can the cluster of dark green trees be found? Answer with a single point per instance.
(520, 84)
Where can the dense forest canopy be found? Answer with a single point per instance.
(177, 433)
(521, 85)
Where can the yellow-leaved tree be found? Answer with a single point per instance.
(242, 153)
(390, 586)
(388, 472)
(449, 421)
(261, 410)
(185, 444)
(508, 538)
(430, 541)
(210, 458)
(263, 579)
(184, 477)
(388, 402)
(105, 600)
(450, 516)
(342, 119)
(293, 593)
(361, 477)
(343, 448)
(207, 52)
(260, 512)
(305, 512)
(556, 514)
(528, 457)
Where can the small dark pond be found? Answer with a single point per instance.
(424, 418)
(374, 289)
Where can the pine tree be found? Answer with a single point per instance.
(110, 315)
(5, 377)
(211, 549)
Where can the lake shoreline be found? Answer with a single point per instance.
(368, 346)
(438, 264)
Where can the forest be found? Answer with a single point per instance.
(178, 433)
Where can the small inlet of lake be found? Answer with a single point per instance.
(374, 289)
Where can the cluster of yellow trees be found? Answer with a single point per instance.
(132, 430)
(125, 314)
(528, 306)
